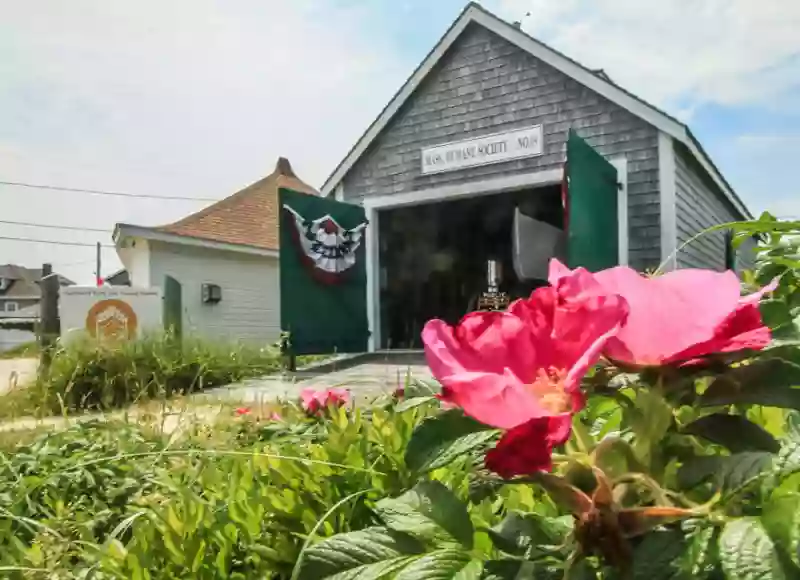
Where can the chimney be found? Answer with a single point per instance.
(517, 24)
(283, 167)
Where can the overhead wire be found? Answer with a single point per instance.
(57, 227)
(103, 191)
(55, 242)
(77, 228)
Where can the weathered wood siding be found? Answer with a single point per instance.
(484, 85)
(699, 205)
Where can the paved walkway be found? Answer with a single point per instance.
(17, 372)
(366, 381)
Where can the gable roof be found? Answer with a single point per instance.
(597, 80)
(248, 218)
(25, 281)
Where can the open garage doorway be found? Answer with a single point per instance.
(433, 257)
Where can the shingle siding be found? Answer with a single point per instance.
(700, 205)
(484, 85)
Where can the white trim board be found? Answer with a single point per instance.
(374, 205)
(469, 189)
(123, 231)
(667, 201)
(600, 85)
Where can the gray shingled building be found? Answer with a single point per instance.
(483, 122)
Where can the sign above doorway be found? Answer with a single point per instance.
(527, 142)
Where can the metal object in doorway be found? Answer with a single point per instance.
(493, 299)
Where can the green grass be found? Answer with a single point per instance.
(88, 376)
(24, 350)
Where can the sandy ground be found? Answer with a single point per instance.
(17, 372)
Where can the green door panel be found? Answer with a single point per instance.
(173, 307)
(592, 219)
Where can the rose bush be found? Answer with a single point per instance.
(610, 427)
(316, 401)
(677, 455)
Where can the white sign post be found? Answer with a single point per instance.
(483, 150)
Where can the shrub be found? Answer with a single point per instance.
(92, 376)
(24, 350)
(237, 500)
(664, 470)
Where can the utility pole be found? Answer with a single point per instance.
(49, 323)
(98, 276)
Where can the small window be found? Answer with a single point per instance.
(11, 306)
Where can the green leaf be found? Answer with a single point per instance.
(696, 470)
(747, 552)
(741, 469)
(733, 432)
(429, 512)
(793, 425)
(774, 312)
(781, 518)
(657, 556)
(442, 439)
(786, 463)
(501, 570)
(699, 560)
(445, 564)
(517, 570)
(519, 533)
(767, 382)
(417, 388)
(354, 554)
(728, 473)
(651, 423)
(412, 403)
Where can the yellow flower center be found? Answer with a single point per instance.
(549, 389)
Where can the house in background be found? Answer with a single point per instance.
(20, 295)
(218, 268)
(118, 278)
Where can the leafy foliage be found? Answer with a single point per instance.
(670, 474)
(86, 375)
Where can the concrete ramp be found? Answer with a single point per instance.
(367, 376)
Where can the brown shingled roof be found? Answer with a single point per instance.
(248, 217)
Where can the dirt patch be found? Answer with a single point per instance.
(17, 372)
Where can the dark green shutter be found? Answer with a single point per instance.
(321, 317)
(173, 306)
(730, 251)
(592, 219)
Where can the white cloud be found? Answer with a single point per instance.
(680, 53)
(186, 97)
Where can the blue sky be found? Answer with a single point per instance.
(199, 97)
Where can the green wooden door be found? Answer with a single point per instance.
(323, 277)
(591, 207)
(173, 307)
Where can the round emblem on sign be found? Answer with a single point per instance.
(111, 319)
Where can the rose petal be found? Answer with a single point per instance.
(529, 447)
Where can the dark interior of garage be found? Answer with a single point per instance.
(433, 256)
